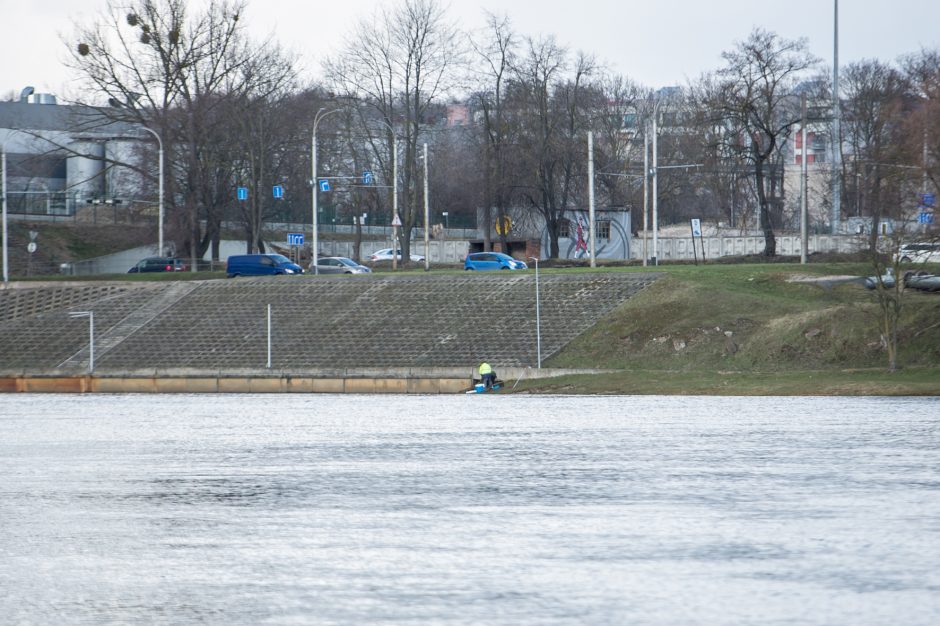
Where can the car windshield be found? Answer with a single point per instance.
(280, 258)
(346, 261)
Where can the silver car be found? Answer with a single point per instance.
(339, 265)
(386, 255)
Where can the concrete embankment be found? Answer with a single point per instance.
(410, 333)
(403, 381)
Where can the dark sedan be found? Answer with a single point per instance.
(158, 264)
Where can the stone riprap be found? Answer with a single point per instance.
(341, 322)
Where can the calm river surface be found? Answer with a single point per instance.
(297, 509)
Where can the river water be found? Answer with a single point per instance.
(299, 509)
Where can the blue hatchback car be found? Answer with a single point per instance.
(492, 261)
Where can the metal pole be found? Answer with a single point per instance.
(591, 196)
(394, 203)
(91, 342)
(314, 250)
(160, 211)
(269, 336)
(653, 173)
(538, 315)
(836, 129)
(923, 183)
(804, 169)
(161, 214)
(646, 190)
(6, 259)
(427, 240)
(314, 244)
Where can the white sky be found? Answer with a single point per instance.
(655, 42)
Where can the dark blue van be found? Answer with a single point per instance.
(260, 265)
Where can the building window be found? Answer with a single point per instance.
(564, 229)
(603, 229)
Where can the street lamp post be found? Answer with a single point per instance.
(6, 259)
(591, 195)
(161, 207)
(91, 336)
(538, 315)
(427, 213)
(315, 183)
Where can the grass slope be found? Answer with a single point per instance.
(752, 329)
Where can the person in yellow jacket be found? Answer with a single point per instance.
(487, 375)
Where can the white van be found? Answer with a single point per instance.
(920, 253)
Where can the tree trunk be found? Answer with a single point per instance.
(766, 224)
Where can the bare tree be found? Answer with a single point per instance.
(495, 50)
(873, 104)
(922, 127)
(182, 75)
(550, 107)
(753, 100)
(399, 62)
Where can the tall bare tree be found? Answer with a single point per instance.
(922, 71)
(550, 108)
(873, 104)
(753, 100)
(495, 50)
(182, 74)
(399, 62)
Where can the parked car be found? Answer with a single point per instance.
(887, 280)
(386, 255)
(922, 281)
(920, 253)
(339, 265)
(158, 264)
(260, 265)
(492, 261)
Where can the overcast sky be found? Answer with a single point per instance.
(655, 42)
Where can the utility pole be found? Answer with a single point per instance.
(804, 213)
(655, 258)
(591, 196)
(427, 214)
(646, 189)
(6, 259)
(836, 130)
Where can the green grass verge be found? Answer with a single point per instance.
(869, 382)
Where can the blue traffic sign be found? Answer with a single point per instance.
(295, 239)
(278, 191)
(925, 217)
(324, 185)
(928, 200)
(243, 193)
(367, 177)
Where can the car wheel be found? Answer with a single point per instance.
(905, 259)
(468, 269)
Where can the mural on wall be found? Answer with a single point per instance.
(611, 230)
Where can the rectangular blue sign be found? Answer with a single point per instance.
(278, 191)
(324, 185)
(295, 239)
(243, 193)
